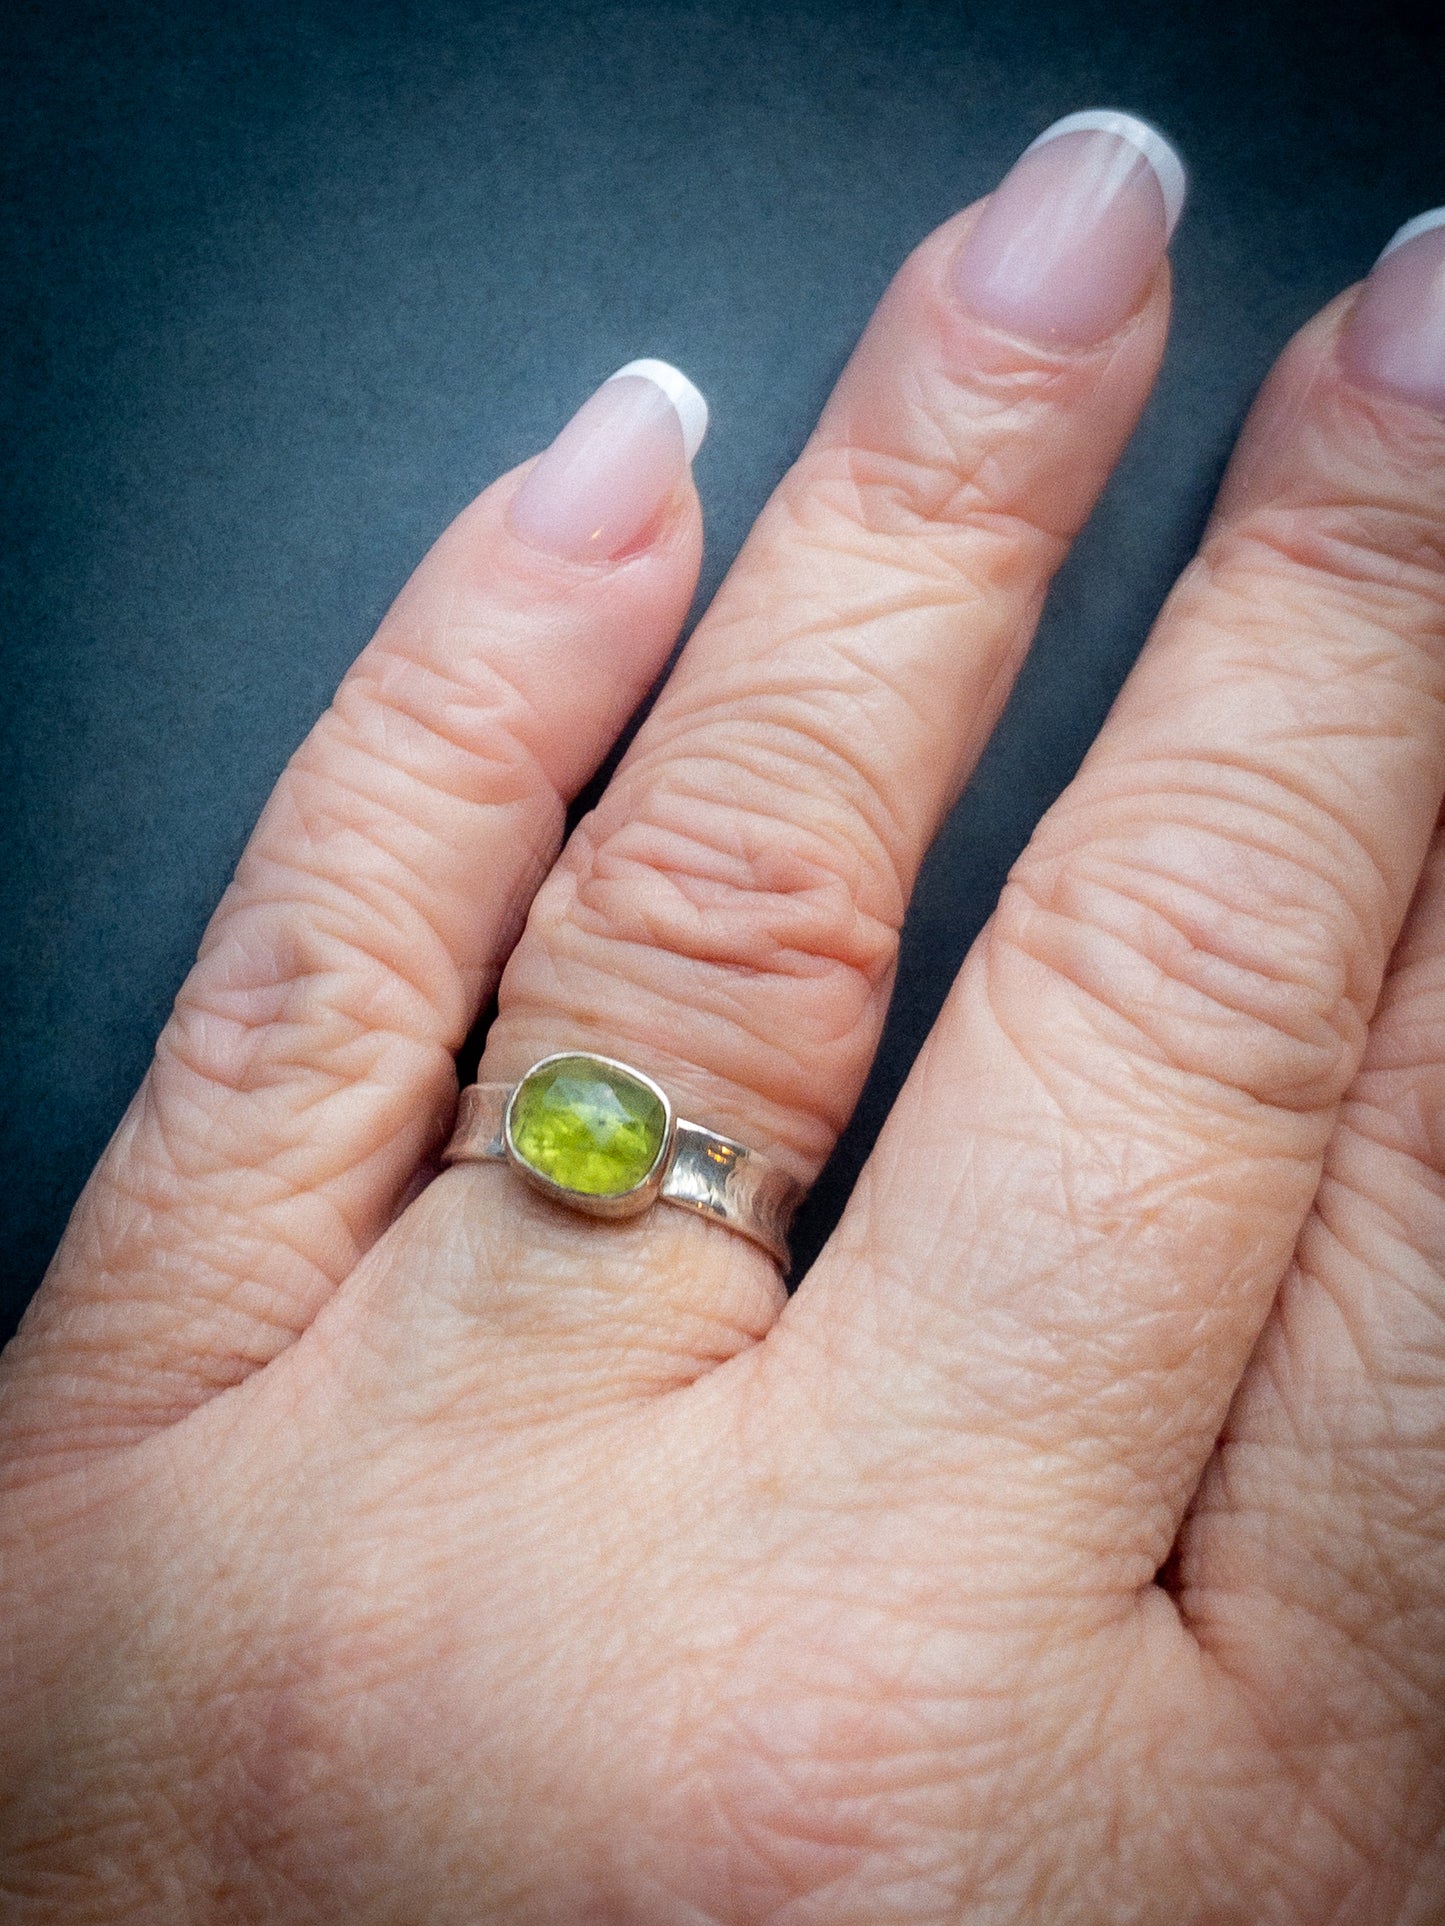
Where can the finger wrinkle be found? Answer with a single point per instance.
(302, 1013)
(254, 1052)
(319, 806)
(880, 616)
(289, 1122)
(389, 752)
(276, 949)
(973, 516)
(1400, 1114)
(1247, 673)
(273, 1088)
(1308, 829)
(425, 693)
(343, 835)
(1181, 988)
(797, 770)
(1253, 781)
(157, 1188)
(1371, 565)
(277, 937)
(1190, 906)
(364, 899)
(759, 1033)
(760, 837)
(1240, 794)
(779, 915)
(1353, 1211)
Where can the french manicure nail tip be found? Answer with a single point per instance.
(688, 400)
(599, 487)
(1422, 224)
(1161, 156)
(1066, 246)
(1394, 338)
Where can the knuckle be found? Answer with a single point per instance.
(293, 1006)
(1364, 559)
(338, 958)
(707, 890)
(945, 505)
(1236, 956)
(452, 720)
(729, 883)
(304, 967)
(775, 825)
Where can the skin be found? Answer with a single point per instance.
(1071, 1546)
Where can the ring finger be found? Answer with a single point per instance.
(727, 918)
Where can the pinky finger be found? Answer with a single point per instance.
(1313, 1561)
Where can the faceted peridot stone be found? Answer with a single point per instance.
(587, 1127)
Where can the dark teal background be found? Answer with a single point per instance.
(285, 285)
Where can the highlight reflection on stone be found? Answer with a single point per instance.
(587, 1126)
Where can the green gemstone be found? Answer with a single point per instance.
(587, 1127)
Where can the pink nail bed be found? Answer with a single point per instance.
(1395, 336)
(1068, 242)
(596, 490)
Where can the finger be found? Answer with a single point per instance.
(1093, 1183)
(727, 919)
(308, 1065)
(1320, 1525)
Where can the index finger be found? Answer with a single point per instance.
(308, 1064)
(726, 921)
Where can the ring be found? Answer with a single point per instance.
(603, 1138)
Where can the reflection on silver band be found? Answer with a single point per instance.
(722, 1180)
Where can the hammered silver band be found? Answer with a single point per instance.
(703, 1172)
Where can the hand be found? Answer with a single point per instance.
(1071, 1546)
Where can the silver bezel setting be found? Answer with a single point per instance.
(627, 1203)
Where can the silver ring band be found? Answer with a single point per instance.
(692, 1167)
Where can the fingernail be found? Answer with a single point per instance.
(598, 487)
(1069, 240)
(1395, 336)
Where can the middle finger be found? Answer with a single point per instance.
(727, 918)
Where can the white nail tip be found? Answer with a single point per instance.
(1412, 230)
(688, 401)
(1169, 169)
